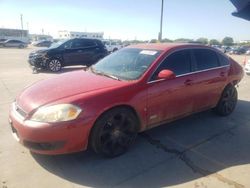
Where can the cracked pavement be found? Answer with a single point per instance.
(199, 151)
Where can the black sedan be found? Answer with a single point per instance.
(44, 43)
(78, 51)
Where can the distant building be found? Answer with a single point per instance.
(73, 34)
(16, 34)
(39, 37)
(244, 41)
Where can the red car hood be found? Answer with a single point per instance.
(59, 87)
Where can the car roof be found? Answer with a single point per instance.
(164, 46)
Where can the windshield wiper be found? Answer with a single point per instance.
(111, 76)
(103, 74)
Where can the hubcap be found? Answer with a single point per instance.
(55, 65)
(117, 134)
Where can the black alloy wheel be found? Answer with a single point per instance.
(227, 101)
(114, 132)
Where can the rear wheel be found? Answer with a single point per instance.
(21, 46)
(54, 65)
(227, 102)
(114, 132)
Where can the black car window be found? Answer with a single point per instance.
(178, 62)
(83, 43)
(205, 59)
(89, 43)
(11, 41)
(223, 60)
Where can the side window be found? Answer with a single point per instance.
(78, 44)
(89, 43)
(205, 59)
(83, 43)
(178, 62)
(223, 60)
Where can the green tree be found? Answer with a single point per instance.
(202, 40)
(153, 41)
(228, 41)
(183, 40)
(166, 40)
(214, 42)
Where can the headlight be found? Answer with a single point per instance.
(56, 113)
(40, 55)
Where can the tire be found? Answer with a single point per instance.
(21, 46)
(115, 49)
(114, 132)
(54, 65)
(227, 102)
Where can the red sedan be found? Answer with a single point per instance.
(129, 91)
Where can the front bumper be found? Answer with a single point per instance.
(46, 138)
(37, 61)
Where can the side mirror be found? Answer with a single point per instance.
(166, 75)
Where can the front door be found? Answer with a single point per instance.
(171, 99)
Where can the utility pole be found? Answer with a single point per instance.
(21, 17)
(160, 33)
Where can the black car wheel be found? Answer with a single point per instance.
(227, 102)
(114, 132)
(21, 46)
(54, 65)
(115, 49)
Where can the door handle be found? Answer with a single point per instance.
(188, 82)
(79, 51)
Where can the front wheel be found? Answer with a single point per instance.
(54, 65)
(227, 102)
(114, 132)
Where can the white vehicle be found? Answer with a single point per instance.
(112, 45)
(247, 67)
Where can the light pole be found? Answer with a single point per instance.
(160, 33)
(21, 17)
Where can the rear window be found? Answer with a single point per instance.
(205, 59)
(223, 60)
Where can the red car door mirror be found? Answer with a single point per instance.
(166, 75)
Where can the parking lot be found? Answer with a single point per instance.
(203, 150)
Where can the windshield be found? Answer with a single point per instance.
(126, 64)
(57, 44)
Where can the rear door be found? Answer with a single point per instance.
(170, 99)
(209, 78)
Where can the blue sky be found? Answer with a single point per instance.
(127, 19)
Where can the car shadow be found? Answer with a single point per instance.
(182, 151)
